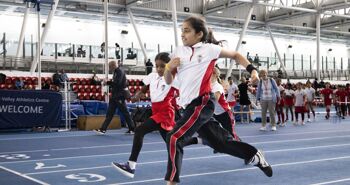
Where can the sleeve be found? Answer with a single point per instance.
(175, 83)
(217, 88)
(147, 79)
(215, 51)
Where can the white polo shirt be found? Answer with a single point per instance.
(195, 70)
(221, 104)
(231, 91)
(309, 93)
(299, 98)
(157, 87)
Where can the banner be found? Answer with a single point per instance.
(25, 109)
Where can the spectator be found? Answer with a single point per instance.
(81, 52)
(256, 59)
(243, 97)
(149, 66)
(45, 85)
(299, 103)
(56, 79)
(268, 94)
(94, 79)
(118, 84)
(2, 78)
(63, 78)
(19, 84)
(289, 101)
(232, 92)
(321, 85)
(117, 50)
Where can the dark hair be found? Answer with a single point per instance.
(199, 25)
(163, 56)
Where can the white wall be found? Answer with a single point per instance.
(67, 30)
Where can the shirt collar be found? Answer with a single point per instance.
(199, 44)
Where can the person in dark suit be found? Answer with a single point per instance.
(118, 85)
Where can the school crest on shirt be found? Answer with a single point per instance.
(200, 57)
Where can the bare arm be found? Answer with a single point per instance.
(170, 70)
(217, 95)
(241, 60)
(138, 95)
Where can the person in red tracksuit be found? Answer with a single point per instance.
(163, 113)
(327, 97)
(341, 95)
(192, 65)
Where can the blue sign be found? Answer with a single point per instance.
(25, 109)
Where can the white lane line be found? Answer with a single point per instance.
(236, 170)
(194, 158)
(122, 133)
(190, 148)
(24, 176)
(130, 144)
(53, 137)
(332, 182)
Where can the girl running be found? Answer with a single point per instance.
(193, 65)
(222, 111)
(163, 113)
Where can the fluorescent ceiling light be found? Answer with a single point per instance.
(219, 12)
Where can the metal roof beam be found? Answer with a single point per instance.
(222, 7)
(280, 6)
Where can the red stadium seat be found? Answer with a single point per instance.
(75, 88)
(86, 96)
(98, 88)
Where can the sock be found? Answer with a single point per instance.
(200, 140)
(313, 113)
(132, 164)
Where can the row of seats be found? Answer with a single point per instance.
(87, 81)
(101, 97)
(81, 86)
(28, 80)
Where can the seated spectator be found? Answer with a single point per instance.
(94, 79)
(45, 86)
(56, 79)
(19, 84)
(81, 52)
(63, 78)
(131, 54)
(2, 78)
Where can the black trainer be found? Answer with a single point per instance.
(263, 165)
(124, 169)
(99, 131)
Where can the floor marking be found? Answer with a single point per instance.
(192, 158)
(190, 148)
(235, 170)
(24, 176)
(332, 182)
(53, 137)
(150, 143)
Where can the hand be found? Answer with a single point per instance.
(255, 77)
(134, 99)
(104, 81)
(174, 63)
